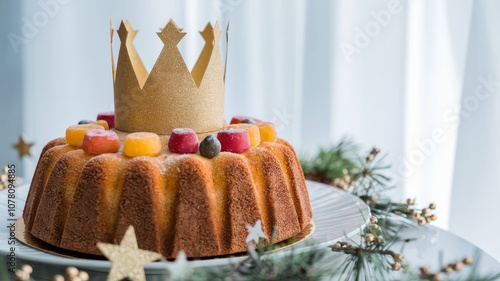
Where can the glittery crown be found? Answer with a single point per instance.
(170, 96)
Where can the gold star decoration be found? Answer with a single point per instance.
(127, 259)
(23, 147)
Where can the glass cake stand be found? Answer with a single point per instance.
(335, 214)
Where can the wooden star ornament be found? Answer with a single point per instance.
(23, 147)
(127, 259)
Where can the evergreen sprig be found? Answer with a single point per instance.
(331, 163)
(344, 167)
(294, 266)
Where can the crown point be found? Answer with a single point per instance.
(132, 32)
(123, 32)
(217, 32)
(171, 34)
(208, 33)
(111, 29)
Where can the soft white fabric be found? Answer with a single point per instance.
(476, 181)
(389, 73)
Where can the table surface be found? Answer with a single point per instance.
(431, 247)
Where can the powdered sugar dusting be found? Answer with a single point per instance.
(183, 131)
(233, 130)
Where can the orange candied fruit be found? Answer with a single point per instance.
(76, 133)
(267, 131)
(253, 132)
(98, 141)
(142, 144)
(103, 123)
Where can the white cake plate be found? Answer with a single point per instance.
(336, 214)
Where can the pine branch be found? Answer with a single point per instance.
(365, 178)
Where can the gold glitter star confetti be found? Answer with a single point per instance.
(23, 147)
(127, 259)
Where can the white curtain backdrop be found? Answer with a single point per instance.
(476, 180)
(400, 75)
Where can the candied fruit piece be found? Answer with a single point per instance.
(76, 133)
(248, 121)
(82, 122)
(253, 132)
(234, 140)
(108, 117)
(142, 144)
(267, 131)
(210, 147)
(99, 141)
(239, 119)
(103, 123)
(183, 141)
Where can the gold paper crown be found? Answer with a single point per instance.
(170, 96)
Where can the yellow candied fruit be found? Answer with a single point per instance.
(76, 133)
(253, 132)
(142, 144)
(103, 123)
(267, 131)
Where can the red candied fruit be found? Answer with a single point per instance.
(183, 141)
(99, 141)
(237, 119)
(108, 117)
(234, 140)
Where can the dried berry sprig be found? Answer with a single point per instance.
(357, 251)
(24, 273)
(72, 274)
(456, 266)
(409, 210)
(373, 258)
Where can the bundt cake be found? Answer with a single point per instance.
(175, 201)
